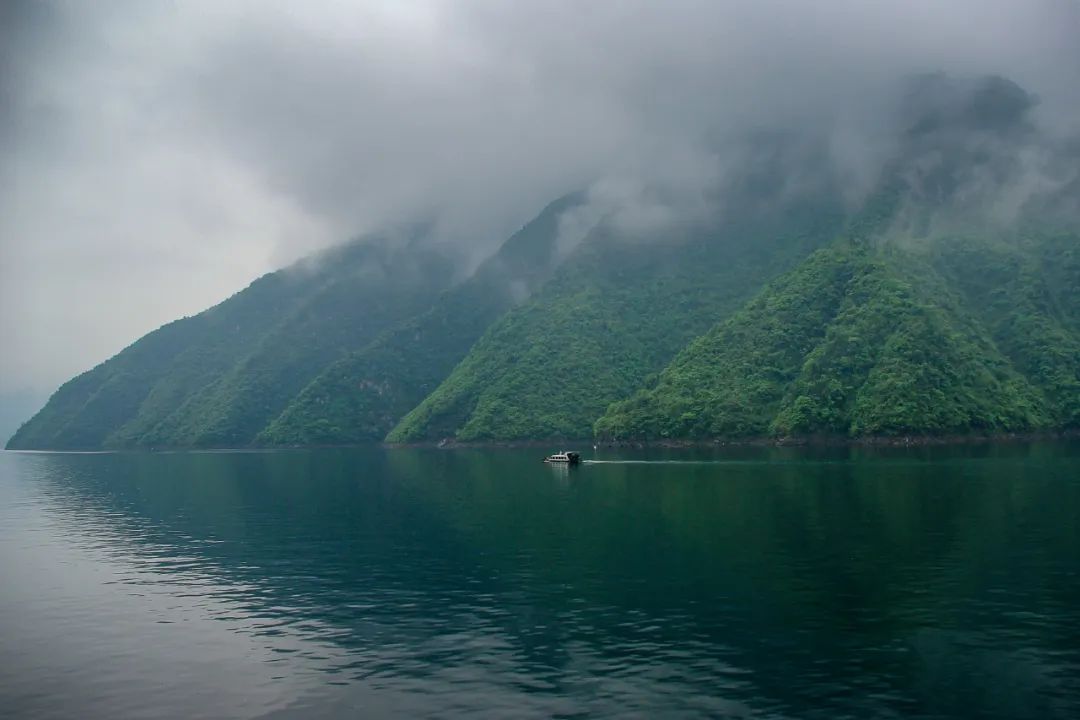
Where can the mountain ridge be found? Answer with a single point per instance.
(361, 397)
(944, 303)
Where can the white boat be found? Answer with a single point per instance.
(569, 458)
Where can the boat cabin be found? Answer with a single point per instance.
(569, 458)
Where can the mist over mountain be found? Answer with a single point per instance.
(160, 155)
(778, 289)
(968, 169)
(217, 378)
(362, 396)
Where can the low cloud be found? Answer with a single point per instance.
(157, 156)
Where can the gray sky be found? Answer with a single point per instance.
(157, 156)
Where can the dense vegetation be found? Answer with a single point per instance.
(216, 379)
(865, 340)
(362, 396)
(618, 311)
(1027, 294)
(947, 301)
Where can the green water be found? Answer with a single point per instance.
(482, 583)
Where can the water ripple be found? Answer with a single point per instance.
(414, 584)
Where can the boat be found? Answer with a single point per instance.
(568, 458)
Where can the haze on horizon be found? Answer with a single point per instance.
(158, 156)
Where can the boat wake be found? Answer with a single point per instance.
(659, 462)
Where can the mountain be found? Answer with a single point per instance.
(15, 407)
(217, 378)
(932, 315)
(622, 304)
(1027, 295)
(362, 396)
(938, 296)
(599, 331)
(878, 340)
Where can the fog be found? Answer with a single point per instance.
(158, 156)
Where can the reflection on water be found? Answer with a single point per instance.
(753, 583)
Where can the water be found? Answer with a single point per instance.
(426, 583)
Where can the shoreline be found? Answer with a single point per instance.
(807, 441)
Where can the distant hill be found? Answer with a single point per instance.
(16, 407)
(943, 299)
(217, 379)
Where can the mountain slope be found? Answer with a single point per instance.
(951, 309)
(859, 340)
(1027, 294)
(617, 311)
(217, 378)
(361, 397)
(775, 297)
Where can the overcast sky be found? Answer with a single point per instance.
(159, 155)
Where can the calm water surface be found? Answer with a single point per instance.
(426, 583)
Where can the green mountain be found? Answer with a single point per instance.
(619, 309)
(879, 340)
(218, 378)
(15, 407)
(769, 303)
(362, 396)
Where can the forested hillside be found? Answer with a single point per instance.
(936, 296)
(933, 314)
(620, 308)
(362, 396)
(217, 378)
(873, 340)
